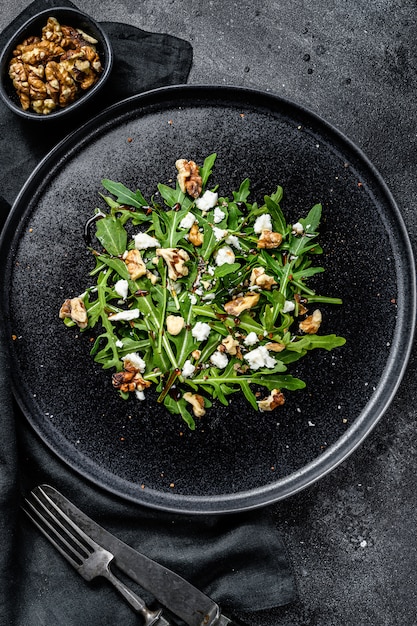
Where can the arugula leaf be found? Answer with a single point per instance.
(112, 235)
(124, 195)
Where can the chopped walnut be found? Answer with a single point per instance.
(175, 324)
(275, 346)
(259, 278)
(130, 379)
(135, 265)
(194, 236)
(269, 239)
(197, 402)
(175, 258)
(189, 178)
(242, 303)
(276, 398)
(74, 308)
(311, 324)
(302, 310)
(51, 71)
(230, 344)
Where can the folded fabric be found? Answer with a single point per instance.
(142, 61)
(239, 560)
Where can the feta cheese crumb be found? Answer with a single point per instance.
(260, 358)
(207, 201)
(219, 233)
(143, 241)
(288, 306)
(188, 369)
(219, 359)
(201, 331)
(297, 228)
(136, 361)
(131, 314)
(139, 394)
(122, 288)
(187, 221)
(251, 339)
(224, 255)
(263, 222)
(218, 215)
(119, 343)
(232, 240)
(193, 299)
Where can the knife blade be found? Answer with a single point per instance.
(172, 590)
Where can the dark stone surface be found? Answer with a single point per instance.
(352, 536)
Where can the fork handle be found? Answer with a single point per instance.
(150, 617)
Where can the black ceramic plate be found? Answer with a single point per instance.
(236, 458)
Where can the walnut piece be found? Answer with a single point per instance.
(197, 402)
(194, 236)
(275, 346)
(230, 345)
(276, 398)
(259, 278)
(242, 303)
(175, 324)
(269, 240)
(74, 308)
(175, 258)
(52, 71)
(188, 177)
(311, 324)
(129, 379)
(135, 265)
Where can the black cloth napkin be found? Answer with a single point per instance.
(239, 560)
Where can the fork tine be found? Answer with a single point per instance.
(74, 539)
(34, 515)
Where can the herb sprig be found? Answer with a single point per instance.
(237, 295)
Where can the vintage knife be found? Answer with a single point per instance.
(174, 592)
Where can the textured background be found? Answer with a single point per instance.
(351, 537)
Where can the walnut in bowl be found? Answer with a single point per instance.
(54, 64)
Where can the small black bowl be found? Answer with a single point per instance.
(69, 17)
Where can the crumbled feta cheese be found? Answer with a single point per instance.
(119, 343)
(219, 233)
(260, 358)
(219, 359)
(193, 299)
(136, 361)
(131, 314)
(188, 369)
(201, 331)
(232, 240)
(122, 288)
(139, 394)
(143, 241)
(297, 228)
(208, 297)
(207, 201)
(218, 215)
(251, 339)
(187, 221)
(224, 255)
(263, 222)
(288, 306)
(210, 270)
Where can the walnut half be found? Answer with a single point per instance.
(189, 178)
(74, 308)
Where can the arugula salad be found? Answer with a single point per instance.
(200, 296)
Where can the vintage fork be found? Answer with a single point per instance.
(84, 554)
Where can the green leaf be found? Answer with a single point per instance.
(226, 268)
(124, 195)
(206, 170)
(116, 264)
(112, 235)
